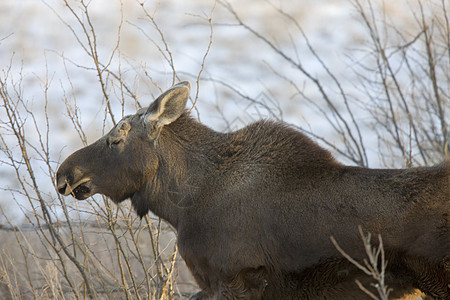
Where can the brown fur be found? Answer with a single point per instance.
(254, 209)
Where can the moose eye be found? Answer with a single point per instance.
(115, 142)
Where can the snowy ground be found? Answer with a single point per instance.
(43, 60)
(38, 48)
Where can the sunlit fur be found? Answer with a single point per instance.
(254, 209)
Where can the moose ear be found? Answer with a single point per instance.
(169, 106)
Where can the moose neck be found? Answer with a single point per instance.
(183, 166)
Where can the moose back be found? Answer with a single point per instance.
(254, 209)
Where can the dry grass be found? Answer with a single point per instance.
(138, 262)
(65, 250)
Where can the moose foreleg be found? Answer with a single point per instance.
(248, 284)
(431, 278)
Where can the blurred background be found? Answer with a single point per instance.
(368, 80)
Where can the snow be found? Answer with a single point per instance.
(37, 44)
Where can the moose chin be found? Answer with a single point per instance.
(255, 209)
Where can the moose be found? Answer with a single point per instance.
(254, 209)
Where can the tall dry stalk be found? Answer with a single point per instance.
(374, 266)
(67, 249)
(400, 81)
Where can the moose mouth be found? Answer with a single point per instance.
(80, 190)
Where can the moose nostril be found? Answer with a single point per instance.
(62, 183)
(62, 189)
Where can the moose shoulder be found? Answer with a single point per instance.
(255, 209)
